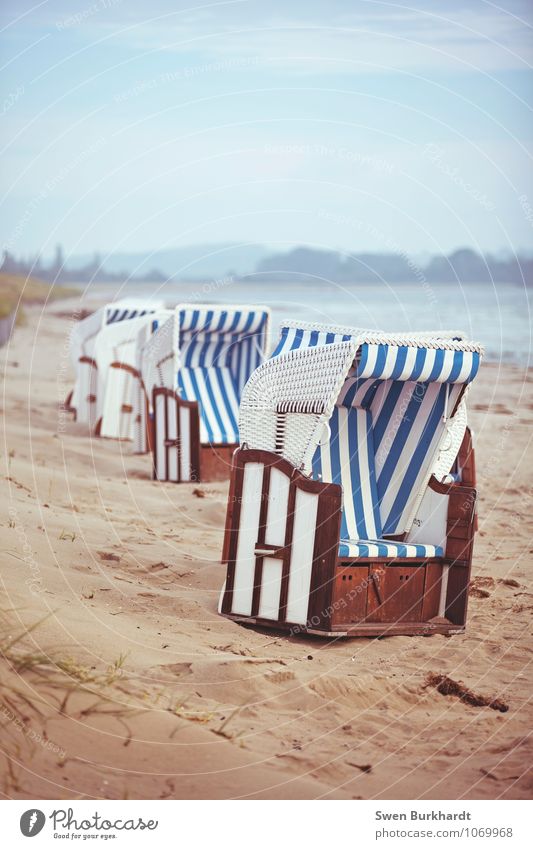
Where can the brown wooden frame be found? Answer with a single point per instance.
(414, 611)
(172, 395)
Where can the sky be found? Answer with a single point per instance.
(356, 125)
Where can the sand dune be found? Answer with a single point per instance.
(167, 699)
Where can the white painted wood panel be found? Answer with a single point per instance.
(248, 532)
(303, 541)
(278, 503)
(270, 588)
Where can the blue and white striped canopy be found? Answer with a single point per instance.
(219, 349)
(419, 360)
(387, 423)
(123, 310)
(409, 362)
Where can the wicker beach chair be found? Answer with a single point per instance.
(81, 401)
(194, 369)
(118, 351)
(343, 517)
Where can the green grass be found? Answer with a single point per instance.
(16, 290)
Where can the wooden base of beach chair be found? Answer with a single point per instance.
(215, 462)
(281, 543)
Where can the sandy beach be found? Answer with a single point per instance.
(125, 683)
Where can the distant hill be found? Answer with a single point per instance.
(216, 261)
(464, 264)
(193, 261)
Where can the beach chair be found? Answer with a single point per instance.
(117, 354)
(343, 518)
(81, 401)
(194, 369)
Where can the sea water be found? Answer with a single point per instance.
(497, 315)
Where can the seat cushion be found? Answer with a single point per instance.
(387, 548)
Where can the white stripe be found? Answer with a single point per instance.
(189, 395)
(409, 364)
(207, 407)
(161, 467)
(425, 469)
(466, 368)
(393, 425)
(303, 541)
(278, 499)
(446, 366)
(371, 361)
(423, 412)
(390, 361)
(325, 460)
(219, 400)
(185, 443)
(243, 581)
(346, 477)
(270, 588)
(364, 474)
(172, 433)
(429, 362)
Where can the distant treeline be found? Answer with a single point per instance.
(306, 264)
(464, 265)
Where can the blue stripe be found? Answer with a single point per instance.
(420, 362)
(458, 360)
(297, 341)
(281, 343)
(417, 460)
(400, 438)
(437, 366)
(363, 360)
(385, 414)
(381, 359)
(399, 365)
(317, 464)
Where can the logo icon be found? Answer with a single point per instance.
(32, 822)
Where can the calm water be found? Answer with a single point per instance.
(497, 316)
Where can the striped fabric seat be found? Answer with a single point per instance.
(216, 392)
(408, 421)
(385, 430)
(219, 349)
(386, 548)
(347, 458)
